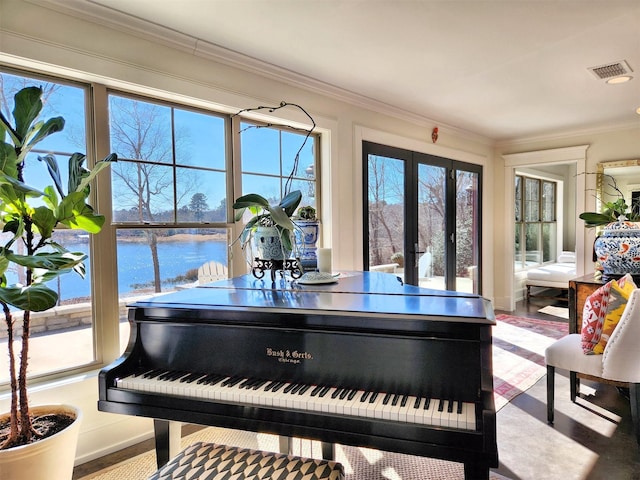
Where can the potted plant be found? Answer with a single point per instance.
(617, 249)
(30, 217)
(611, 212)
(271, 227)
(306, 235)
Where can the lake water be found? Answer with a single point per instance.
(135, 267)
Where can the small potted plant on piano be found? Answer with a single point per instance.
(37, 442)
(270, 230)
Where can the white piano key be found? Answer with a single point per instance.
(183, 384)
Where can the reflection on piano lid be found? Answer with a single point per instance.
(370, 294)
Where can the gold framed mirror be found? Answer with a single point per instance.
(623, 175)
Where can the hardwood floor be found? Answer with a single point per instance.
(591, 439)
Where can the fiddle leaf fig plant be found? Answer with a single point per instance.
(29, 217)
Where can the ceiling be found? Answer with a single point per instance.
(502, 69)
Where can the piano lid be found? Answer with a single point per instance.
(370, 294)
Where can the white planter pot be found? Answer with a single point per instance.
(48, 459)
(268, 244)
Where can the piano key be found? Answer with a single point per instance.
(388, 406)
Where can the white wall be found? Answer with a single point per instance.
(38, 38)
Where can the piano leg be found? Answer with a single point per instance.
(286, 446)
(476, 471)
(284, 443)
(328, 451)
(168, 435)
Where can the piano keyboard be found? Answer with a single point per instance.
(314, 398)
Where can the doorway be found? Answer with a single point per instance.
(422, 218)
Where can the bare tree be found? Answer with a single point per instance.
(385, 215)
(144, 183)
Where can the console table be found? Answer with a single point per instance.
(579, 290)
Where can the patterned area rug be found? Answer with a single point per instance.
(562, 312)
(518, 353)
(359, 463)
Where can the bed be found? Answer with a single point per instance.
(553, 275)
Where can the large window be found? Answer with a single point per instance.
(535, 221)
(277, 161)
(169, 210)
(169, 191)
(70, 101)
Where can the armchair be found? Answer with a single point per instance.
(620, 361)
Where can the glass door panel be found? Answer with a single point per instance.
(423, 218)
(467, 225)
(432, 243)
(386, 205)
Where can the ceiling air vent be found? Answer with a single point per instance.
(610, 70)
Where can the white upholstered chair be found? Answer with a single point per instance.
(620, 361)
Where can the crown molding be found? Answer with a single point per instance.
(90, 11)
(568, 135)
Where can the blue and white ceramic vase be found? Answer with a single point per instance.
(306, 237)
(268, 244)
(618, 249)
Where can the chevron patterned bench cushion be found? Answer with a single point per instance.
(208, 461)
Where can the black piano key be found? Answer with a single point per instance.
(304, 389)
(258, 384)
(416, 404)
(176, 375)
(288, 388)
(441, 405)
(324, 391)
(395, 400)
(153, 373)
(364, 397)
(450, 407)
(459, 410)
(336, 393)
(232, 382)
(405, 399)
(269, 386)
(192, 377)
(296, 388)
(386, 398)
(427, 402)
(246, 383)
(352, 394)
(316, 390)
(344, 393)
(278, 386)
(374, 395)
(211, 379)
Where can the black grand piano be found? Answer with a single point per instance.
(367, 361)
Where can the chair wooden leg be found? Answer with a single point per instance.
(634, 396)
(574, 385)
(551, 373)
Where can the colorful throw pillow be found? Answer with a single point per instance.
(618, 297)
(593, 314)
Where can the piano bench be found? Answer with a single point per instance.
(208, 460)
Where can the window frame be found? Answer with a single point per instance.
(523, 221)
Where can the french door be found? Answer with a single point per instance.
(423, 213)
